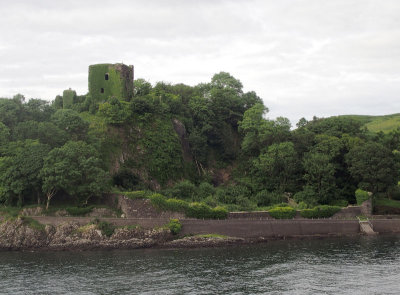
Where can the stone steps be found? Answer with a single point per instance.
(366, 228)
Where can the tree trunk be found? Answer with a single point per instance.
(50, 194)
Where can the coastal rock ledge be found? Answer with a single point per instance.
(21, 234)
(26, 234)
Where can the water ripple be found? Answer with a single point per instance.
(360, 265)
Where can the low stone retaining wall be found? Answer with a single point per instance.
(344, 213)
(386, 225)
(271, 228)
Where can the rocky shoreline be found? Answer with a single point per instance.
(18, 235)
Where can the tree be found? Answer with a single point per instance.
(115, 111)
(38, 110)
(224, 80)
(70, 121)
(320, 176)
(374, 166)
(255, 129)
(76, 169)
(49, 133)
(141, 87)
(4, 135)
(278, 167)
(20, 170)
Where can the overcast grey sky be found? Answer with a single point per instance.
(303, 57)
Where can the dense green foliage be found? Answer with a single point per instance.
(79, 211)
(323, 211)
(361, 196)
(195, 209)
(206, 149)
(105, 227)
(283, 212)
(174, 226)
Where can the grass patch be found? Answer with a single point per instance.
(387, 203)
(215, 236)
(385, 123)
(10, 211)
(32, 223)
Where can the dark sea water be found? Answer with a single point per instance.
(359, 265)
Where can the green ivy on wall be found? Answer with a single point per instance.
(118, 83)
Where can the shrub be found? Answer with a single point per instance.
(245, 204)
(79, 211)
(302, 206)
(323, 211)
(361, 196)
(219, 213)
(177, 205)
(174, 226)
(159, 201)
(196, 210)
(199, 210)
(211, 201)
(267, 198)
(394, 192)
(205, 190)
(340, 203)
(307, 195)
(232, 194)
(183, 190)
(282, 212)
(106, 228)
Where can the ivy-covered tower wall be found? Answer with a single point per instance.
(106, 80)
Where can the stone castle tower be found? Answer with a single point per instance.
(106, 80)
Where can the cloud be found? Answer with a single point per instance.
(303, 57)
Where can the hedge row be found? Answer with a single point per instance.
(195, 210)
(323, 211)
(282, 212)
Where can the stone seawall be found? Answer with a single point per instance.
(271, 228)
(245, 228)
(386, 225)
(235, 228)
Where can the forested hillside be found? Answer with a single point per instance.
(210, 143)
